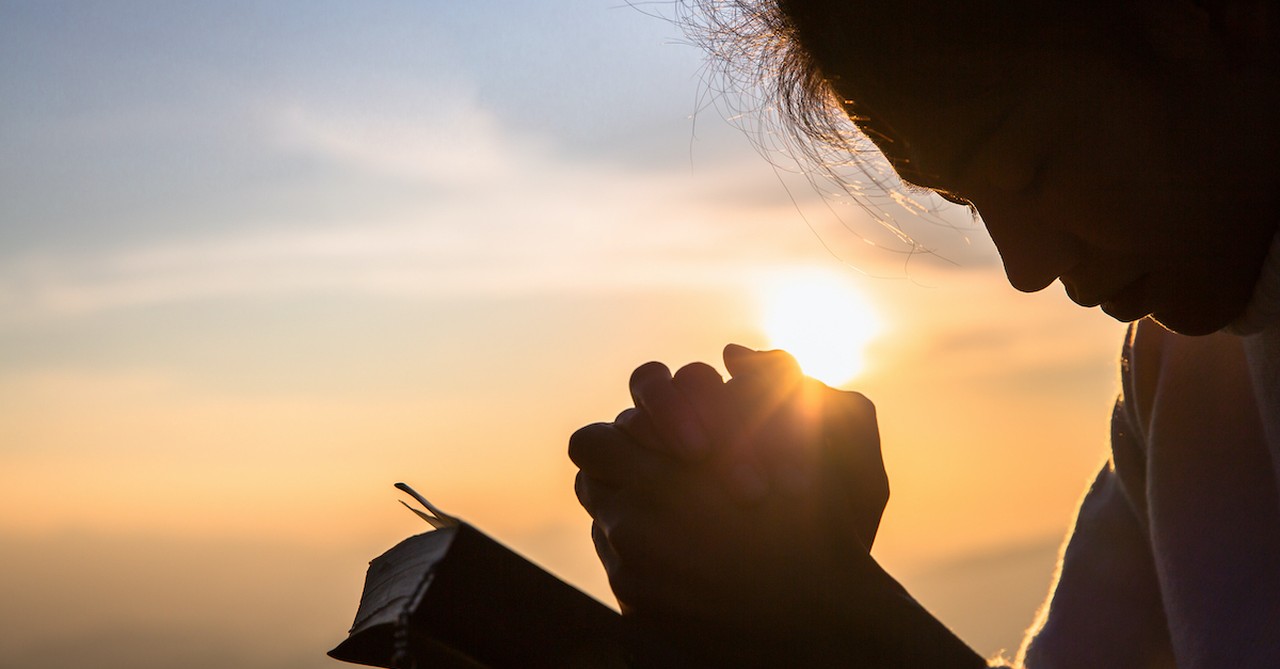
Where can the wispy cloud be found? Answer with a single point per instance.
(490, 211)
(500, 213)
(440, 137)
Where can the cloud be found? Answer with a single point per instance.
(436, 137)
(445, 253)
(483, 210)
(497, 212)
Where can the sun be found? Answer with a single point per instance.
(822, 318)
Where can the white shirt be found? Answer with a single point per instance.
(1175, 556)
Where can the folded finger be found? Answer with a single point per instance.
(607, 454)
(673, 417)
(776, 365)
(703, 388)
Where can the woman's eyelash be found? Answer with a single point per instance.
(917, 189)
(953, 198)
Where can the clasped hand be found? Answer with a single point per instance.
(726, 512)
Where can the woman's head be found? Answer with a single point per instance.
(1129, 149)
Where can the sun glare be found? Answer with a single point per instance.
(822, 319)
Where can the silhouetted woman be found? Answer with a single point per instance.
(1129, 150)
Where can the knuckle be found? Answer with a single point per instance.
(623, 538)
(629, 539)
(858, 401)
(698, 371)
(586, 439)
(603, 549)
(627, 587)
(875, 484)
(780, 362)
(649, 372)
(780, 356)
(582, 488)
(854, 409)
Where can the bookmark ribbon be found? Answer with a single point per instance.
(433, 515)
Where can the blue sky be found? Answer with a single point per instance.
(130, 119)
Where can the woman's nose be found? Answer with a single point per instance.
(1034, 254)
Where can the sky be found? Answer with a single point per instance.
(259, 261)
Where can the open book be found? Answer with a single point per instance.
(455, 598)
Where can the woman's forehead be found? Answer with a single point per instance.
(944, 49)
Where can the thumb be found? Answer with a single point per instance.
(744, 362)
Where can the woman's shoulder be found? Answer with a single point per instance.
(1154, 355)
(1160, 368)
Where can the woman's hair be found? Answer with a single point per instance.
(765, 79)
(756, 52)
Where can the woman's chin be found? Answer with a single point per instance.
(1192, 323)
(1123, 312)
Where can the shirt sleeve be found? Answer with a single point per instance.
(1105, 608)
